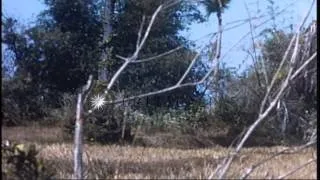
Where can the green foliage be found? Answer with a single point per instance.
(165, 71)
(19, 107)
(21, 162)
(212, 6)
(174, 120)
(103, 126)
(106, 126)
(238, 101)
(65, 113)
(57, 53)
(274, 47)
(300, 97)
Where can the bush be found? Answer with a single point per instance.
(21, 162)
(23, 103)
(65, 112)
(177, 120)
(16, 103)
(293, 120)
(104, 126)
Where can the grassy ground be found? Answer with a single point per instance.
(136, 162)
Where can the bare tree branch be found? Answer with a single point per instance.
(153, 93)
(244, 21)
(135, 55)
(285, 56)
(254, 56)
(176, 86)
(297, 168)
(87, 88)
(158, 56)
(264, 68)
(146, 34)
(303, 66)
(140, 32)
(276, 74)
(188, 70)
(284, 151)
(133, 58)
(264, 113)
(224, 29)
(247, 34)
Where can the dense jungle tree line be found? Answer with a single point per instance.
(53, 58)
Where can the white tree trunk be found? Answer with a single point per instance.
(78, 132)
(78, 140)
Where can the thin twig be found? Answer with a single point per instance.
(264, 68)
(254, 56)
(146, 34)
(135, 55)
(158, 56)
(188, 70)
(253, 167)
(140, 32)
(297, 168)
(303, 66)
(247, 34)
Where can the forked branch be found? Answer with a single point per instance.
(133, 59)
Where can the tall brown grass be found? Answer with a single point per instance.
(134, 162)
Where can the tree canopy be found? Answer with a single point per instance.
(64, 46)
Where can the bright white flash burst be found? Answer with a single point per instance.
(98, 101)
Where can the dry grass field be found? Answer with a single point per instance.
(136, 162)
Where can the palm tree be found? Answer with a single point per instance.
(213, 6)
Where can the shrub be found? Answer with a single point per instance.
(21, 162)
(105, 126)
(102, 126)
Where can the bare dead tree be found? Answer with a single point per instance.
(264, 112)
(78, 149)
(99, 100)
